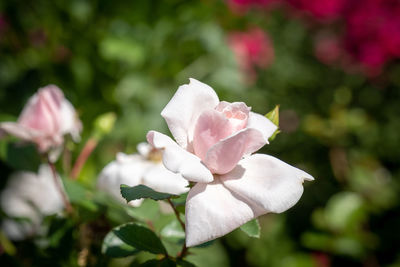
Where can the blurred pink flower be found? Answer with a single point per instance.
(242, 6)
(328, 49)
(321, 9)
(373, 32)
(252, 49)
(371, 36)
(214, 145)
(45, 119)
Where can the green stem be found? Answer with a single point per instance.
(60, 188)
(184, 249)
(176, 213)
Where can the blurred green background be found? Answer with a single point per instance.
(129, 57)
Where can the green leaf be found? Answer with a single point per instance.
(159, 263)
(251, 228)
(273, 116)
(173, 231)
(23, 157)
(114, 247)
(140, 237)
(149, 210)
(76, 191)
(213, 255)
(184, 263)
(142, 191)
(7, 245)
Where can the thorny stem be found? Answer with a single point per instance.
(60, 188)
(83, 156)
(184, 249)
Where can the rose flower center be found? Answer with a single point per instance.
(214, 125)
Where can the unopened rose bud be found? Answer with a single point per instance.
(45, 119)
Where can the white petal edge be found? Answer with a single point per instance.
(162, 180)
(19, 230)
(213, 211)
(126, 169)
(70, 123)
(182, 111)
(144, 149)
(261, 123)
(178, 160)
(29, 195)
(266, 181)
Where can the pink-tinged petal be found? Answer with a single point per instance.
(38, 116)
(160, 179)
(211, 127)
(267, 181)
(262, 124)
(224, 155)
(42, 112)
(70, 124)
(43, 142)
(19, 131)
(213, 211)
(178, 160)
(237, 113)
(182, 111)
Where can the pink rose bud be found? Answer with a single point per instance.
(45, 119)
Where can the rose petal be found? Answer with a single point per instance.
(70, 124)
(224, 155)
(126, 169)
(19, 131)
(178, 160)
(262, 124)
(182, 111)
(51, 201)
(237, 113)
(144, 149)
(211, 127)
(29, 195)
(42, 112)
(213, 211)
(267, 181)
(160, 179)
(15, 198)
(19, 230)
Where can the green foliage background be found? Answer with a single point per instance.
(129, 57)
